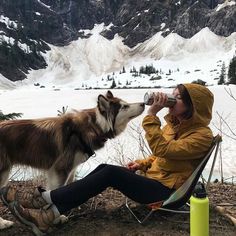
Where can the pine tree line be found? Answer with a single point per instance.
(231, 72)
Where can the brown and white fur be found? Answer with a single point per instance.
(58, 145)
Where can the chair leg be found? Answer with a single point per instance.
(140, 221)
(212, 167)
(174, 211)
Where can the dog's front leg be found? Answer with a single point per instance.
(4, 174)
(59, 173)
(78, 158)
(56, 178)
(71, 177)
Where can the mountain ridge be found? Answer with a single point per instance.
(40, 24)
(94, 62)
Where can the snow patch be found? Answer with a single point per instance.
(163, 25)
(205, 40)
(6, 84)
(9, 23)
(225, 4)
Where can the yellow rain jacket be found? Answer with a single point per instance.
(178, 148)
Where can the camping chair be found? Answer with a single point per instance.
(179, 198)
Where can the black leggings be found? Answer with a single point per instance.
(138, 188)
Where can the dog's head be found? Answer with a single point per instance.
(114, 113)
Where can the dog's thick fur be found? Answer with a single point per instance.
(57, 145)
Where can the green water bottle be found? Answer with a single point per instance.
(199, 212)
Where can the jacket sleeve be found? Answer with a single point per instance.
(192, 146)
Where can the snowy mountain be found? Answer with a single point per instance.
(96, 62)
(29, 29)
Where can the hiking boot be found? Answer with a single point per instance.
(40, 220)
(8, 194)
(27, 199)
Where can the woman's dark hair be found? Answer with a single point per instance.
(186, 100)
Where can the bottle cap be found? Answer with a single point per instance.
(199, 191)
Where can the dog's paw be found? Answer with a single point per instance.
(61, 220)
(5, 223)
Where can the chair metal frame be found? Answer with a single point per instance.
(180, 197)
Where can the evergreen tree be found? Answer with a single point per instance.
(142, 70)
(123, 70)
(222, 75)
(113, 85)
(148, 69)
(232, 71)
(10, 116)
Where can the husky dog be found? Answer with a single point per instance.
(58, 145)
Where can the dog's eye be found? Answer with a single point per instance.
(125, 107)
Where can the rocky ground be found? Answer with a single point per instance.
(107, 215)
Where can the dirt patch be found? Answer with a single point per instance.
(106, 215)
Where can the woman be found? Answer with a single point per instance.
(177, 150)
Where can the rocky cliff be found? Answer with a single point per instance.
(28, 27)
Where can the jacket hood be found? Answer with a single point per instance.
(202, 100)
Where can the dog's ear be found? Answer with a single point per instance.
(103, 104)
(109, 94)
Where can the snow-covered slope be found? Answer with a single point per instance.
(205, 41)
(86, 62)
(6, 84)
(149, 46)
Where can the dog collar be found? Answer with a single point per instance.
(88, 150)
